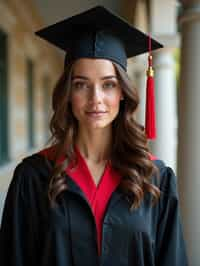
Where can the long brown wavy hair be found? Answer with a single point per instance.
(129, 155)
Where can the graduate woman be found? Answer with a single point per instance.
(96, 196)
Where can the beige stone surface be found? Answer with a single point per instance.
(19, 19)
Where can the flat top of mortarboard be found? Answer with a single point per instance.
(64, 33)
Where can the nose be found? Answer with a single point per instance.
(96, 95)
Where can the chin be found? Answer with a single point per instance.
(98, 125)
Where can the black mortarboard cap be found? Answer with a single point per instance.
(98, 33)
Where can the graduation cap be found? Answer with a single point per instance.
(99, 33)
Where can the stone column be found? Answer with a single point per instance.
(140, 76)
(163, 28)
(137, 72)
(165, 144)
(189, 128)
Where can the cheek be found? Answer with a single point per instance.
(77, 101)
(114, 100)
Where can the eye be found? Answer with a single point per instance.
(80, 85)
(110, 85)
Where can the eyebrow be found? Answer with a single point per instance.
(86, 78)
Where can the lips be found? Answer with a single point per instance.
(96, 113)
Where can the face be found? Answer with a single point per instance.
(95, 93)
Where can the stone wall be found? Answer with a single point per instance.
(19, 19)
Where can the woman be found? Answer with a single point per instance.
(96, 196)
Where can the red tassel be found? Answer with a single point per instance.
(150, 121)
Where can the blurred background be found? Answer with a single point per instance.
(30, 67)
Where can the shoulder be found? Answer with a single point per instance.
(166, 179)
(31, 175)
(40, 162)
(36, 163)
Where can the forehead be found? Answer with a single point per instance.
(91, 67)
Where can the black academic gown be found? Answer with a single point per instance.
(33, 234)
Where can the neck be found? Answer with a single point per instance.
(95, 145)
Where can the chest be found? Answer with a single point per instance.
(96, 171)
(125, 234)
(76, 219)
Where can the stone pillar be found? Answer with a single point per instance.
(163, 28)
(140, 77)
(164, 147)
(189, 128)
